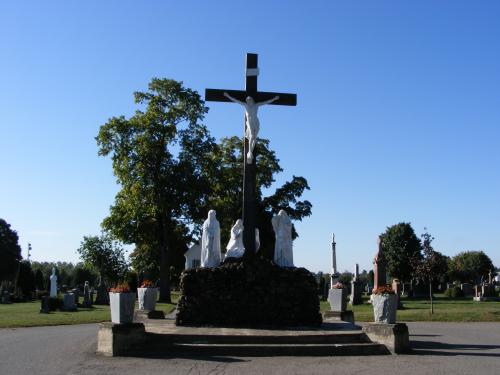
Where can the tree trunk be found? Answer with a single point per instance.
(164, 262)
(430, 296)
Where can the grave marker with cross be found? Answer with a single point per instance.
(249, 172)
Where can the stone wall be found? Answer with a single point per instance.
(250, 293)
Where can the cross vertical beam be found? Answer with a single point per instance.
(249, 170)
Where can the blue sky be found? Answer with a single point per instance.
(398, 111)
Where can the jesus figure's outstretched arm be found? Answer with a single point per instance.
(268, 101)
(233, 99)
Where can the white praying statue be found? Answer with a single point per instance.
(283, 252)
(235, 248)
(53, 283)
(210, 242)
(252, 124)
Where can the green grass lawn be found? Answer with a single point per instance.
(445, 310)
(26, 314)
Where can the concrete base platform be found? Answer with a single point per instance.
(394, 336)
(163, 337)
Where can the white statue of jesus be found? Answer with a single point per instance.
(210, 241)
(251, 120)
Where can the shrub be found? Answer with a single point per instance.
(454, 292)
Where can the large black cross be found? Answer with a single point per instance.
(249, 175)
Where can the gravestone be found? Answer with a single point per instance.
(5, 297)
(102, 295)
(379, 267)
(44, 308)
(335, 273)
(488, 290)
(87, 301)
(467, 289)
(69, 302)
(356, 288)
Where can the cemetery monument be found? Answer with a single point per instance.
(234, 293)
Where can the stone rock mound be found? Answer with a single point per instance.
(251, 292)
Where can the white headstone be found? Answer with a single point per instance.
(283, 250)
(210, 242)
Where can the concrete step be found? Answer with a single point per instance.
(325, 338)
(259, 350)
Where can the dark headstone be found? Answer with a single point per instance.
(44, 308)
(87, 302)
(102, 295)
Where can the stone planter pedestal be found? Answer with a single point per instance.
(384, 308)
(147, 298)
(337, 299)
(122, 307)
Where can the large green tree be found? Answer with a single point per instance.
(402, 250)
(470, 266)
(10, 251)
(104, 255)
(158, 156)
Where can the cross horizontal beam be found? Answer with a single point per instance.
(217, 95)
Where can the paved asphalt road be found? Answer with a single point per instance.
(439, 348)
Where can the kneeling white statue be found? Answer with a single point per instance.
(210, 242)
(283, 252)
(235, 248)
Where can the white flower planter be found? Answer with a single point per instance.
(385, 307)
(122, 307)
(338, 299)
(147, 298)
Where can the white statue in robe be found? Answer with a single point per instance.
(283, 252)
(252, 124)
(210, 242)
(53, 283)
(235, 248)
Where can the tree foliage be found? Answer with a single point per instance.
(10, 251)
(158, 157)
(26, 279)
(104, 255)
(470, 266)
(432, 265)
(402, 249)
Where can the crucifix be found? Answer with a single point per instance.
(251, 99)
